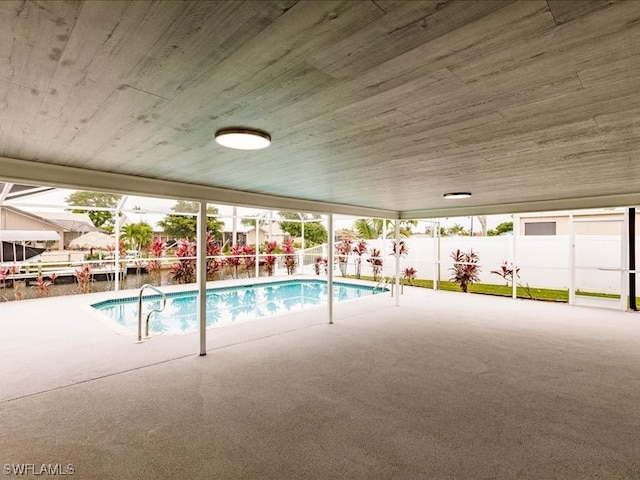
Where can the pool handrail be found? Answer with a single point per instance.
(389, 281)
(164, 304)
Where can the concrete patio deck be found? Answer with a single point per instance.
(445, 386)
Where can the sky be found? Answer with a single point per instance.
(55, 201)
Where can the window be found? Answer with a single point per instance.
(540, 228)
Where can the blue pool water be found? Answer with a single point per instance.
(227, 305)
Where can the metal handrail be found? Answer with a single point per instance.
(384, 281)
(164, 304)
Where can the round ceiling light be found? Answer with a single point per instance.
(243, 138)
(457, 195)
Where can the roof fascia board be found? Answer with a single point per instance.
(16, 171)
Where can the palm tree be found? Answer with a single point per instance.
(457, 229)
(138, 235)
(368, 228)
(372, 228)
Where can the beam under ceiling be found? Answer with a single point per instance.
(604, 201)
(22, 171)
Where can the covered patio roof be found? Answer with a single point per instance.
(375, 108)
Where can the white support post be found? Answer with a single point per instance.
(435, 234)
(270, 225)
(572, 260)
(257, 246)
(330, 268)
(201, 275)
(234, 228)
(116, 252)
(624, 261)
(397, 282)
(514, 275)
(384, 243)
(304, 246)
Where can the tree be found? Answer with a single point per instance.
(100, 218)
(185, 226)
(314, 231)
(372, 228)
(367, 228)
(457, 229)
(429, 231)
(138, 235)
(251, 222)
(483, 224)
(504, 227)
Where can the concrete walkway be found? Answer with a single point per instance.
(447, 386)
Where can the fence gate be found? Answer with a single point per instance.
(599, 261)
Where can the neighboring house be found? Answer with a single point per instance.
(270, 232)
(246, 235)
(587, 222)
(67, 225)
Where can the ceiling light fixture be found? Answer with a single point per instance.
(243, 138)
(457, 195)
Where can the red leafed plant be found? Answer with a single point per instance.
(84, 276)
(410, 274)
(11, 271)
(185, 270)
(344, 249)
(376, 263)
(213, 257)
(270, 260)
(157, 250)
(43, 285)
(465, 268)
(18, 294)
(249, 261)
(403, 250)
(321, 263)
(4, 272)
(506, 272)
(234, 260)
(290, 259)
(139, 264)
(360, 249)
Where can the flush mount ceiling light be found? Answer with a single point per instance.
(456, 195)
(243, 138)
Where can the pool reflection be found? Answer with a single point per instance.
(229, 305)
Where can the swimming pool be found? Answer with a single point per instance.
(227, 305)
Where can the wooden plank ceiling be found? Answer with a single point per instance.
(383, 104)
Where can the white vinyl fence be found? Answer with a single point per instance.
(544, 261)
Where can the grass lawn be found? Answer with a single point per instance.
(547, 294)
